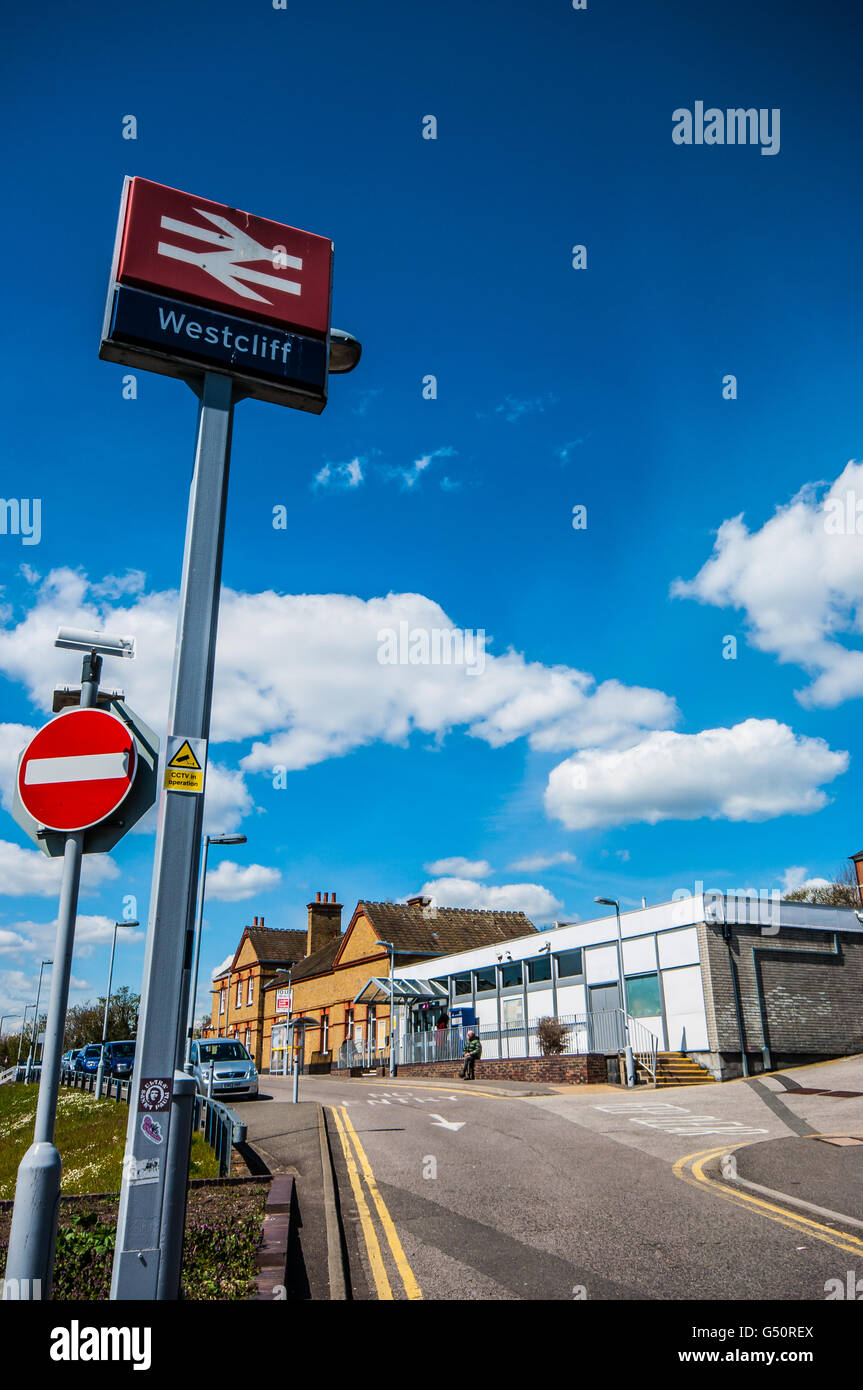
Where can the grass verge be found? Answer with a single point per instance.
(223, 1224)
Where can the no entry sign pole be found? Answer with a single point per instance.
(151, 1219)
(33, 1235)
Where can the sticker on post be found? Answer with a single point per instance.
(141, 1170)
(185, 764)
(155, 1093)
(152, 1130)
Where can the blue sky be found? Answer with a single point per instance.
(556, 387)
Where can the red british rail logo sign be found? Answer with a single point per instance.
(198, 284)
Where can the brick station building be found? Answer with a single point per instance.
(337, 965)
(239, 988)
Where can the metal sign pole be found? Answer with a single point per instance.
(155, 1171)
(33, 1235)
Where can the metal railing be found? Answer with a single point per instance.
(351, 1055)
(603, 1032)
(221, 1126)
(644, 1045)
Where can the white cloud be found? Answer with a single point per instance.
(227, 799)
(531, 898)
(315, 687)
(340, 475)
(38, 938)
(411, 476)
(795, 878)
(12, 941)
(219, 968)
(231, 883)
(13, 738)
(26, 871)
(535, 863)
(462, 868)
(754, 771)
(799, 581)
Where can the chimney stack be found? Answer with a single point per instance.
(325, 922)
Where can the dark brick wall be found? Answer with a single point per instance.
(813, 999)
(578, 1070)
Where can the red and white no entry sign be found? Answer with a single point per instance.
(77, 770)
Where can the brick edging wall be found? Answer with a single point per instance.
(581, 1069)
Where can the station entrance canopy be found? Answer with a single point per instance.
(377, 990)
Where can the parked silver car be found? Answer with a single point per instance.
(234, 1072)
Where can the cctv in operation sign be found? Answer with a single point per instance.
(198, 285)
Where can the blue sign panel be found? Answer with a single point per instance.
(271, 360)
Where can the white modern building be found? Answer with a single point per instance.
(736, 982)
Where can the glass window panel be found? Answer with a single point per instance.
(485, 979)
(511, 974)
(642, 994)
(569, 963)
(512, 1012)
(461, 985)
(539, 969)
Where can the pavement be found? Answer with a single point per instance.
(287, 1138)
(821, 1173)
(496, 1088)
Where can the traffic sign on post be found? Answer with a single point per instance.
(77, 770)
(105, 834)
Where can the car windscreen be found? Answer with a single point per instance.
(92, 1050)
(123, 1049)
(223, 1052)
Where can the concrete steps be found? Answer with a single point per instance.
(675, 1069)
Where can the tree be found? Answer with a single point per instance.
(841, 892)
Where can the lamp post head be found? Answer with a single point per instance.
(131, 923)
(226, 839)
(608, 902)
(345, 351)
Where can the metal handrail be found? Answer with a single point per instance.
(222, 1129)
(644, 1044)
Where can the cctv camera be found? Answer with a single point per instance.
(78, 639)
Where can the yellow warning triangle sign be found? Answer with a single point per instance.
(184, 757)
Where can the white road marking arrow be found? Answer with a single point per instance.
(446, 1124)
(227, 265)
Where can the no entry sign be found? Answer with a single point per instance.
(201, 284)
(77, 770)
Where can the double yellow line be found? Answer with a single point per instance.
(691, 1170)
(351, 1145)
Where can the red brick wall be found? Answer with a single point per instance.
(580, 1070)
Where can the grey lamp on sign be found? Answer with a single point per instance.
(630, 1061)
(345, 351)
(202, 885)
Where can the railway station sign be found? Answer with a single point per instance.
(198, 285)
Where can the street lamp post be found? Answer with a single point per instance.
(3, 1018)
(389, 946)
(21, 1036)
(100, 1070)
(32, 1053)
(193, 992)
(630, 1061)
